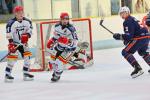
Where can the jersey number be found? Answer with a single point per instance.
(18, 32)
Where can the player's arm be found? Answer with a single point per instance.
(27, 33)
(72, 42)
(29, 28)
(52, 39)
(129, 30)
(9, 31)
(11, 46)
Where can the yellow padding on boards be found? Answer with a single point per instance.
(27, 53)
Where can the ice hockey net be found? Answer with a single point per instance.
(44, 31)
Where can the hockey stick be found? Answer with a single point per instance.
(7, 54)
(71, 62)
(4, 57)
(101, 23)
(82, 45)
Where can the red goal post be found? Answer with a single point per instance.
(44, 31)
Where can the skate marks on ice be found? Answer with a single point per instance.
(107, 79)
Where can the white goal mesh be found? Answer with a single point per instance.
(44, 32)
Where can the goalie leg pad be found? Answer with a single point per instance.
(57, 65)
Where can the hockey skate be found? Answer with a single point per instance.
(149, 71)
(137, 72)
(9, 78)
(28, 77)
(56, 76)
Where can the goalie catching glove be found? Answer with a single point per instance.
(83, 45)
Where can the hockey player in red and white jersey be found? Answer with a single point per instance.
(19, 30)
(64, 41)
(144, 19)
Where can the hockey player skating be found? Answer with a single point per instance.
(64, 41)
(19, 30)
(135, 39)
(143, 21)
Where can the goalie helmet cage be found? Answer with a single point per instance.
(45, 31)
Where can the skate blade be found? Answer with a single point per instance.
(28, 79)
(138, 74)
(53, 81)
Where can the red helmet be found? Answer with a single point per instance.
(17, 9)
(64, 15)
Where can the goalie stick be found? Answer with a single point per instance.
(82, 45)
(71, 62)
(101, 24)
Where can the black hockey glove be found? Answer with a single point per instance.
(125, 42)
(118, 36)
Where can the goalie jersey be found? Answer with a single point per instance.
(68, 31)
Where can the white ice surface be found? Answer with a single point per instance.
(108, 79)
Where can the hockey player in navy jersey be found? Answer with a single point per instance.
(64, 40)
(135, 39)
(19, 30)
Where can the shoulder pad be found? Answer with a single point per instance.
(57, 24)
(24, 18)
(11, 21)
(71, 28)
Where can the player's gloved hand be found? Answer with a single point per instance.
(12, 47)
(50, 43)
(125, 42)
(117, 36)
(24, 38)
